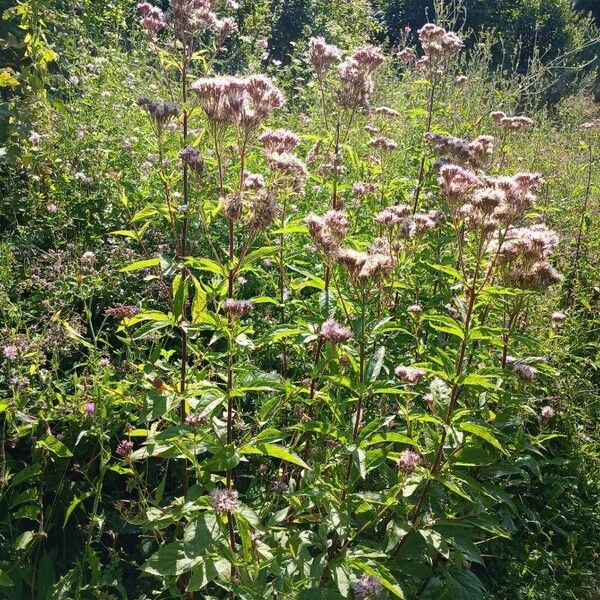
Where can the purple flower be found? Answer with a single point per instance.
(224, 500)
(10, 352)
(415, 309)
(280, 486)
(409, 460)
(366, 586)
(525, 372)
(547, 413)
(90, 409)
(410, 374)
(124, 448)
(332, 331)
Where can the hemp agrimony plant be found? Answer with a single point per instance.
(330, 406)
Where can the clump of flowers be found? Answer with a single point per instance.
(243, 102)
(408, 461)
(124, 448)
(356, 77)
(152, 19)
(329, 230)
(224, 500)
(410, 375)
(475, 154)
(237, 308)
(547, 413)
(322, 55)
(278, 141)
(510, 123)
(366, 586)
(10, 352)
(439, 47)
(332, 331)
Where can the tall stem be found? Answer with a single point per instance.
(183, 252)
(584, 208)
(427, 128)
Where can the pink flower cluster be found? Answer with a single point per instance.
(224, 500)
(366, 266)
(322, 55)
(410, 375)
(152, 19)
(366, 586)
(279, 141)
(237, 308)
(243, 102)
(510, 123)
(329, 230)
(470, 154)
(356, 76)
(382, 144)
(439, 46)
(524, 257)
(409, 460)
(332, 331)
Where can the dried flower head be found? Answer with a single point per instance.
(122, 311)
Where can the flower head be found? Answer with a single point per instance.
(547, 413)
(89, 408)
(410, 375)
(124, 448)
(366, 586)
(409, 460)
(335, 333)
(10, 352)
(322, 55)
(224, 500)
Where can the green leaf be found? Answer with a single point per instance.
(55, 446)
(448, 270)
(77, 500)
(485, 433)
(391, 436)
(276, 452)
(206, 264)
(5, 580)
(141, 264)
(374, 365)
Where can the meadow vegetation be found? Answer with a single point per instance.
(303, 311)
